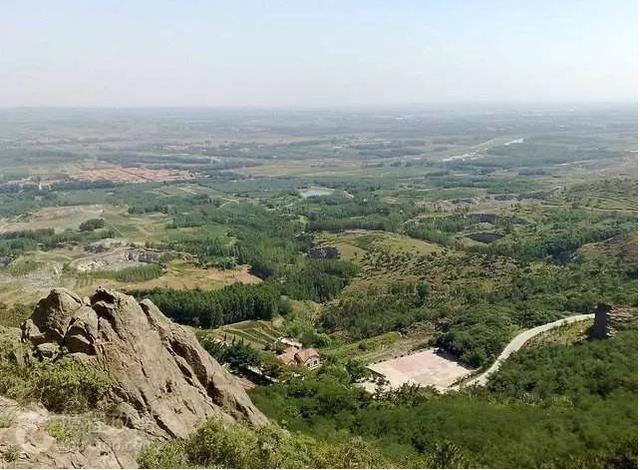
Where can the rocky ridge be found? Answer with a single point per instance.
(165, 383)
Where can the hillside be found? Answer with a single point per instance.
(396, 248)
(108, 363)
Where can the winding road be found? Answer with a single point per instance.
(520, 341)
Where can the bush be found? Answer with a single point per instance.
(61, 386)
(14, 316)
(164, 455)
(220, 445)
(67, 385)
(73, 431)
(91, 225)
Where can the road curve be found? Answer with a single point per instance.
(519, 341)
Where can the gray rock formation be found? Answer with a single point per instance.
(165, 382)
(26, 442)
(608, 319)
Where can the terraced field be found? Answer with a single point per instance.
(255, 333)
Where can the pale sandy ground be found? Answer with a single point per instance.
(59, 218)
(422, 368)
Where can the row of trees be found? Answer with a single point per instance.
(213, 308)
(329, 213)
(92, 224)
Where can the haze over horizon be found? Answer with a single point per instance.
(309, 54)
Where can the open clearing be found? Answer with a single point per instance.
(138, 228)
(59, 218)
(353, 244)
(426, 367)
(40, 272)
(183, 275)
(119, 174)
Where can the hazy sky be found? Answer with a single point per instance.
(311, 53)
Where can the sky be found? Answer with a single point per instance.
(306, 53)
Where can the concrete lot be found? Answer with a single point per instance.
(422, 368)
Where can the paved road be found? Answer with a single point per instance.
(520, 340)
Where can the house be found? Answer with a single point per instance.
(294, 356)
(308, 357)
(288, 356)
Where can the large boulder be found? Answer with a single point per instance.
(165, 383)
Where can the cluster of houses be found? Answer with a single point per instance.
(296, 355)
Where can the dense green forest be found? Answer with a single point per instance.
(576, 402)
(213, 308)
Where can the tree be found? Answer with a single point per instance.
(91, 225)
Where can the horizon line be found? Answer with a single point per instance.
(599, 102)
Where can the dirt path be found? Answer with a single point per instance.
(520, 341)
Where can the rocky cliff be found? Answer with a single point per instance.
(165, 383)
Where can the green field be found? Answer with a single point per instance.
(258, 334)
(454, 230)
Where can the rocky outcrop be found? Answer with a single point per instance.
(324, 252)
(165, 383)
(608, 319)
(27, 440)
(117, 258)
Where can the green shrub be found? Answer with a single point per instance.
(73, 431)
(91, 225)
(145, 272)
(14, 315)
(219, 445)
(61, 386)
(164, 455)
(11, 453)
(67, 385)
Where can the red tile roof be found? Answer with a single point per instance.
(305, 354)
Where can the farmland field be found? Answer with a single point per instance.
(406, 247)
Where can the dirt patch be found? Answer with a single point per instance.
(186, 276)
(119, 174)
(120, 258)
